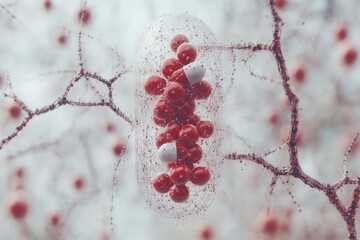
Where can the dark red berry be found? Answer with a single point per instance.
(179, 194)
(162, 183)
(177, 40)
(200, 175)
(180, 174)
(205, 128)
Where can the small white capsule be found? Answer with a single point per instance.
(194, 72)
(170, 152)
(167, 152)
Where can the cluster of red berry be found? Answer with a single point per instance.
(182, 83)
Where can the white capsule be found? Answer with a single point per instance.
(168, 152)
(194, 72)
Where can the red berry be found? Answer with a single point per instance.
(177, 40)
(180, 174)
(15, 111)
(55, 218)
(175, 93)
(201, 90)
(84, 15)
(62, 39)
(200, 175)
(298, 73)
(154, 85)
(78, 182)
(348, 54)
(194, 154)
(162, 138)
(273, 117)
(18, 206)
(206, 233)
(186, 110)
(268, 223)
(205, 128)
(341, 31)
(47, 4)
(179, 194)
(188, 135)
(159, 122)
(162, 183)
(186, 53)
(19, 171)
(118, 148)
(170, 66)
(280, 3)
(109, 127)
(163, 110)
(173, 128)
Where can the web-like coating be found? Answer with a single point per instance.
(153, 50)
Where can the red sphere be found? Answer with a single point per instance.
(188, 135)
(205, 128)
(268, 223)
(298, 73)
(84, 15)
(194, 154)
(159, 122)
(201, 90)
(18, 206)
(14, 111)
(273, 117)
(186, 110)
(200, 175)
(280, 3)
(55, 218)
(154, 85)
(62, 38)
(170, 66)
(175, 93)
(180, 174)
(177, 40)
(19, 171)
(47, 4)
(163, 110)
(206, 233)
(341, 31)
(162, 138)
(179, 194)
(118, 148)
(162, 183)
(173, 128)
(186, 53)
(79, 182)
(349, 54)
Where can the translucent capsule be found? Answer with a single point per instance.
(154, 48)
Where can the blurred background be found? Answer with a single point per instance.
(62, 165)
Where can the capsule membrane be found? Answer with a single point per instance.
(154, 49)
